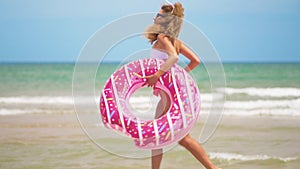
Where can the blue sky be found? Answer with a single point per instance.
(240, 30)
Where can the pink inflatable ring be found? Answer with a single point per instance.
(158, 133)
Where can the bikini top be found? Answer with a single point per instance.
(155, 53)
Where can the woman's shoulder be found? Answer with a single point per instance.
(179, 42)
(178, 45)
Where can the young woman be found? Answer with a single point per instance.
(163, 36)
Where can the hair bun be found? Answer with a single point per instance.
(178, 10)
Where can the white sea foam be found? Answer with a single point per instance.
(263, 104)
(240, 157)
(5, 112)
(59, 100)
(37, 100)
(281, 107)
(264, 92)
(263, 112)
(275, 106)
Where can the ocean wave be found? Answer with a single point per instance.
(7, 112)
(145, 110)
(37, 100)
(142, 104)
(240, 157)
(205, 97)
(70, 100)
(262, 112)
(4, 112)
(263, 92)
(263, 104)
(242, 108)
(142, 101)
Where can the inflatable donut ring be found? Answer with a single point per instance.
(150, 134)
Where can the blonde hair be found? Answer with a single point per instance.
(170, 24)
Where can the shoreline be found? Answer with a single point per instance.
(57, 140)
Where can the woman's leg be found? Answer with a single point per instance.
(156, 158)
(197, 150)
(161, 109)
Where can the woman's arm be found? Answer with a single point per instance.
(172, 54)
(172, 59)
(188, 53)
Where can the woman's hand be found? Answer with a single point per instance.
(151, 80)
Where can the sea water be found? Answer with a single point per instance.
(253, 91)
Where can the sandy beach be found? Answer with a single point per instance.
(57, 141)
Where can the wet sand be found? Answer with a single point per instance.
(57, 141)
